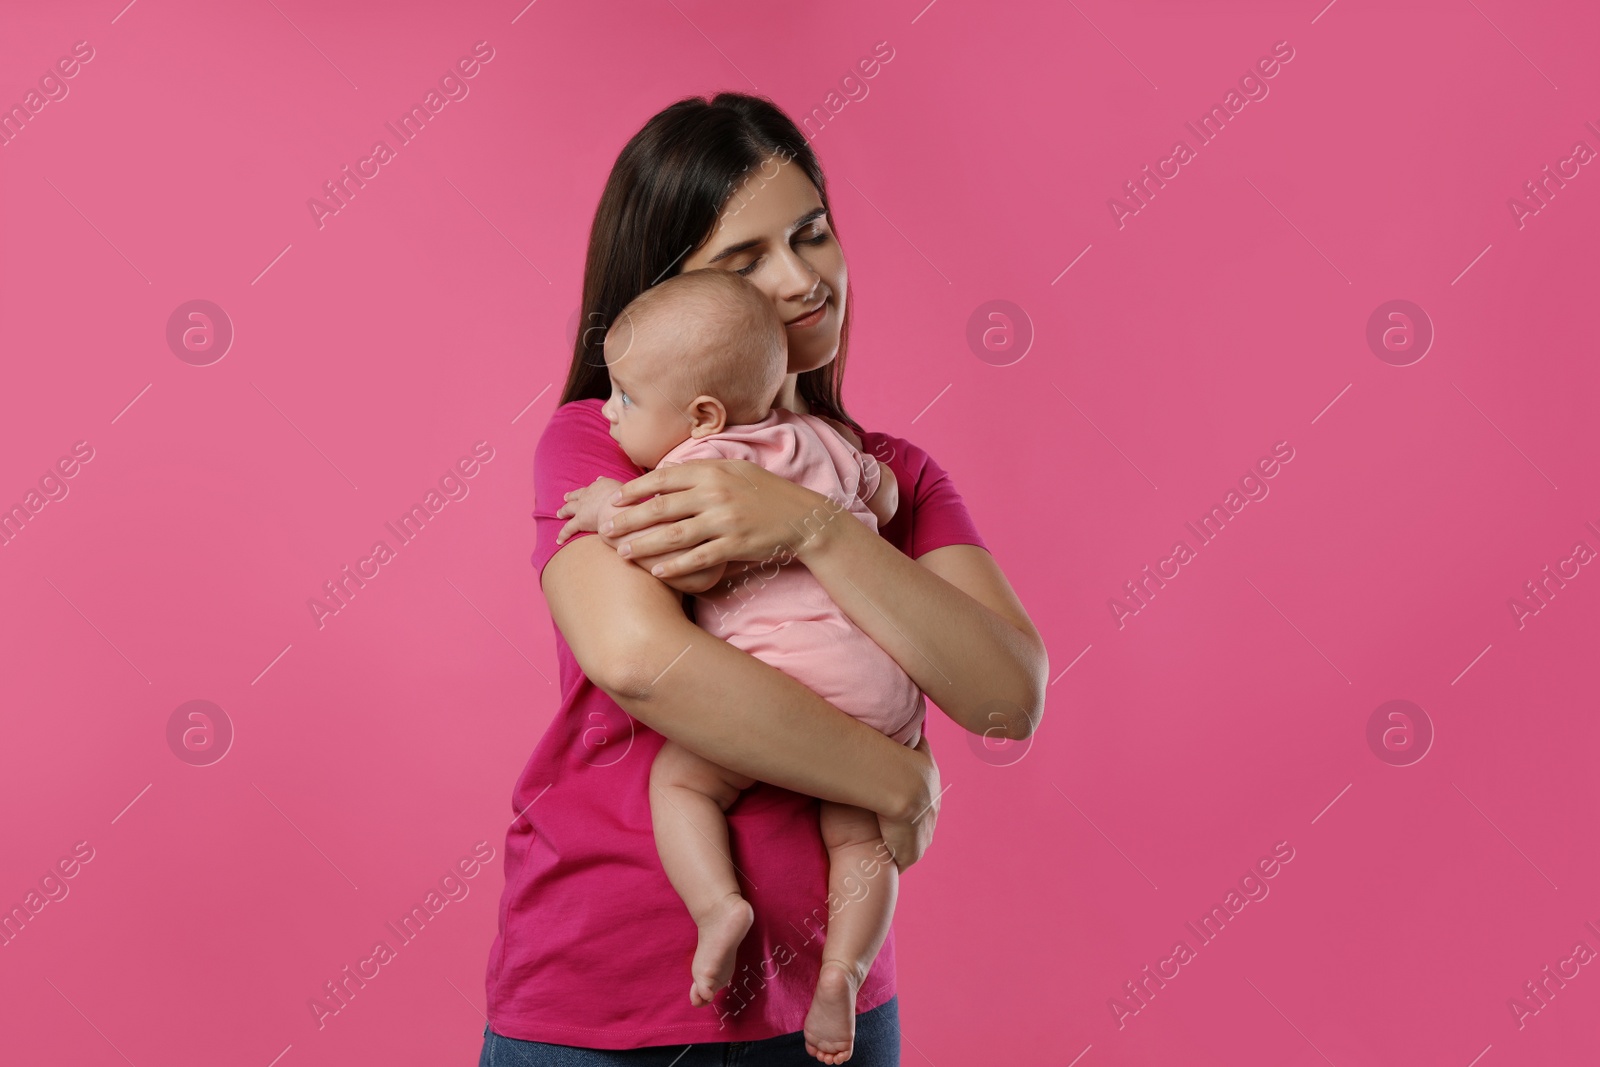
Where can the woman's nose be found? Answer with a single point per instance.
(799, 281)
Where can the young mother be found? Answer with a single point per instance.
(591, 962)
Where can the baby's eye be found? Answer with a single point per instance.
(625, 400)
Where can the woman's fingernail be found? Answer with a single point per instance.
(625, 550)
(605, 527)
(616, 498)
(658, 570)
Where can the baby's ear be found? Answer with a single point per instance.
(706, 416)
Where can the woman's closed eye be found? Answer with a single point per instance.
(817, 240)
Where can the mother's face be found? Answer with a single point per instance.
(775, 232)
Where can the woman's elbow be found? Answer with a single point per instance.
(1022, 715)
(1010, 714)
(623, 680)
(631, 660)
(1003, 718)
(1018, 721)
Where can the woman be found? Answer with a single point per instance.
(593, 945)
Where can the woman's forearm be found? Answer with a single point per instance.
(737, 711)
(629, 634)
(962, 637)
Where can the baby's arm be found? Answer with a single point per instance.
(590, 508)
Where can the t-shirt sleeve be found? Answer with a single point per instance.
(574, 449)
(939, 516)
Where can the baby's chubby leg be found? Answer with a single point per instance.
(863, 882)
(688, 796)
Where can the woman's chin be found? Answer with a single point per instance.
(801, 361)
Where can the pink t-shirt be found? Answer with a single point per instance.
(782, 615)
(593, 947)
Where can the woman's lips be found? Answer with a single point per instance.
(811, 319)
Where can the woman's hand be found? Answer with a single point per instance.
(715, 511)
(587, 508)
(909, 837)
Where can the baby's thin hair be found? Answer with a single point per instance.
(738, 350)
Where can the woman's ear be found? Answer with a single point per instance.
(706, 416)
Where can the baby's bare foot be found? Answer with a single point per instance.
(714, 956)
(830, 1027)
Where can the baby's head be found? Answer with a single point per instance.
(689, 357)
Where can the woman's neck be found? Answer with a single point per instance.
(789, 398)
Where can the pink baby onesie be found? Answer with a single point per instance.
(781, 614)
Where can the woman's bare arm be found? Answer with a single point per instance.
(949, 618)
(974, 572)
(630, 636)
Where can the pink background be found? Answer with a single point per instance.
(431, 313)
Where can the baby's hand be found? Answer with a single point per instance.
(582, 507)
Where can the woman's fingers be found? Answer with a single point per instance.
(640, 487)
(695, 559)
(912, 838)
(668, 561)
(905, 840)
(662, 480)
(707, 500)
(669, 506)
(673, 537)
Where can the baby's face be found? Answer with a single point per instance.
(646, 415)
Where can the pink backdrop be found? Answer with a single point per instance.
(1147, 358)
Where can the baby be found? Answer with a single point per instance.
(695, 363)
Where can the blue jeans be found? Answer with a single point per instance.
(877, 1045)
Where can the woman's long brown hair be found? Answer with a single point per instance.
(662, 200)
